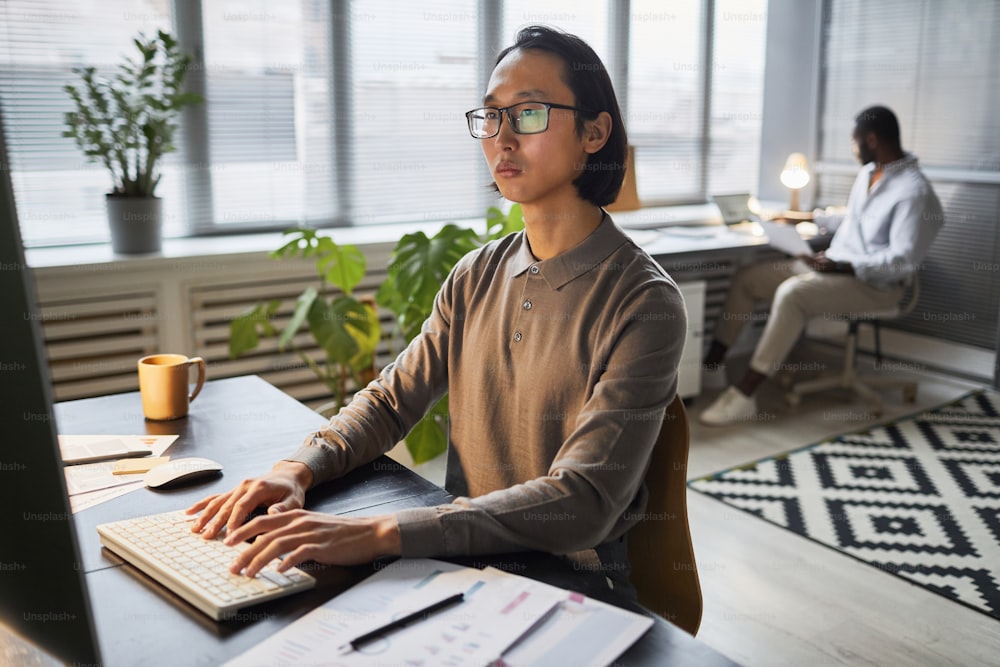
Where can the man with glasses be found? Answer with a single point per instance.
(558, 347)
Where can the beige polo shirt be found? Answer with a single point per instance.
(557, 373)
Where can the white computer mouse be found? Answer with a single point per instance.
(181, 471)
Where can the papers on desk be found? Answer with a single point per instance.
(525, 622)
(786, 238)
(89, 484)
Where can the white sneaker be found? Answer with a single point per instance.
(731, 406)
(714, 378)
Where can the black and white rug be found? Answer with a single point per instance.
(919, 497)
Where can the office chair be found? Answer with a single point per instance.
(664, 572)
(849, 378)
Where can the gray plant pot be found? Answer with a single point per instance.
(136, 224)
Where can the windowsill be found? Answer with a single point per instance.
(199, 247)
(193, 248)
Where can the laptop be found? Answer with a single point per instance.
(738, 213)
(736, 208)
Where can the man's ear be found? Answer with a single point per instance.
(871, 140)
(597, 132)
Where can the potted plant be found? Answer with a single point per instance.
(348, 330)
(127, 123)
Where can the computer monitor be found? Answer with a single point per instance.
(43, 595)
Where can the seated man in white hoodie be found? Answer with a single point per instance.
(891, 219)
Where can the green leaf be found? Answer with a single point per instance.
(302, 306)
(340, 327)
(419, 266)
(367, 334)
(243, 329)
(341, 266)
(429, 438)
(499, 225)
(303, 241)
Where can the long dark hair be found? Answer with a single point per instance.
(588, 79)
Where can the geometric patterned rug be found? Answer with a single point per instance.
(918, 497)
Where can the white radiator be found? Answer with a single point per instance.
(93, 343)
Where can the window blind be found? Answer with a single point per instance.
(935, 65)
(60, 196)
(413, 74)
(268, 71)
(738, 43)
(333, 112)
(666, 99)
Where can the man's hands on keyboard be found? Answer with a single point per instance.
(281, 489)
(287, 531)
(302, 535)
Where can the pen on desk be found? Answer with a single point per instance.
(418, 615)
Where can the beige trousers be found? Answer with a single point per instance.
(797, 294)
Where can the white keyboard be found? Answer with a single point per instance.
(196, 569)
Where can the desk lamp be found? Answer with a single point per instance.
(795, 176)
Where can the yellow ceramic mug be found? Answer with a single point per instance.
(163, 383)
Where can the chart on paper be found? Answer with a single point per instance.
(498, 609)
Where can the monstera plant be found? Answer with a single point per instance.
(418, 266)
(347, 329)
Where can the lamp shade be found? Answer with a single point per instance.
(795, 175)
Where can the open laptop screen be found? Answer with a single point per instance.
(735, 208)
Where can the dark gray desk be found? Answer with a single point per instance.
(246, 425)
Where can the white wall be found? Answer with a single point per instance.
(791, 92)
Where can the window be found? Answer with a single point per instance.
(270, 157)
(332, 112)
(936, 68)
(60, 197)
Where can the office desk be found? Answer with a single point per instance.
(246, 425)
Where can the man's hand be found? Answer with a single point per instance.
(304, 535)
(823, 264)
(281, 490)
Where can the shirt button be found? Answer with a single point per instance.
(527, 304)
(517, 336)
(533, 269)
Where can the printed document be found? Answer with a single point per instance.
(786, 238)
(504, 616)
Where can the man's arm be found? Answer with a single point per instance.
(377, 418)
(914, 223)
(282, 489)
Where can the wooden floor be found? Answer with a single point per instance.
(775, 598)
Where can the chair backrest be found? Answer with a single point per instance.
(664, 572)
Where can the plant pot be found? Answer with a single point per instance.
(136, 224)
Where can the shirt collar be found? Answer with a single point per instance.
(908, 160)
(587, 255)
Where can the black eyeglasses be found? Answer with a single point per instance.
(524, 118)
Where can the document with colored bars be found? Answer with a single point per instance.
(504, 616)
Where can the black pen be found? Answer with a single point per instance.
(418, 615)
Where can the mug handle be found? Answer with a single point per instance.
(201, 375)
